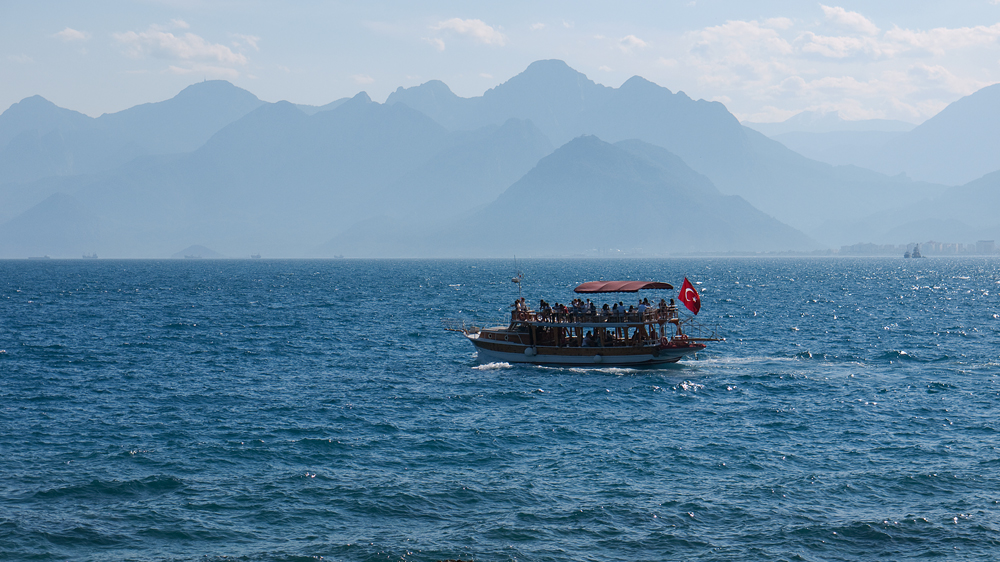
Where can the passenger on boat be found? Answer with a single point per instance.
(546, 311)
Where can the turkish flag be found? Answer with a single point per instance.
(690, 297)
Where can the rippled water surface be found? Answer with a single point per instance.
(291, 410)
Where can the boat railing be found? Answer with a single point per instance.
(649, 316)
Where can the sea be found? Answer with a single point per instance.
(295, 410)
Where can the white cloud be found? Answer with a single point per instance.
(850, 20)
(437, 43)
(605, 68)
(844, 62)
(476, 29)
(541, 26)
(187, 47)
(249, 40)
(70, 34)
(486, 75)
(630, 42)
(20, 59)
(362, 79)
(743, 36)
(839, 47)
(180, 24)
(939, 41)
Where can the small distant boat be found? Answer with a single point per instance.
(39, 258)
(915, 253)
(255, 256)
(90, 256)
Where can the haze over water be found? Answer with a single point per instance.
(285, 410)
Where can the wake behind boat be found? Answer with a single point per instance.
(583, 334)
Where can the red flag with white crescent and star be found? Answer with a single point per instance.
(690, 297)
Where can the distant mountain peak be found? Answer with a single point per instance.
(34, 101)
(212, 87)
(38, 114)
(436, 86)
(545, 73)
(360, 99)
(549, 65)
(639, 83)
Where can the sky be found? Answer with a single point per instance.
(765, 60)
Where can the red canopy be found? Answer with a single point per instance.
(620, 286)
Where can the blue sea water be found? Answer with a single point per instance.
(297, 410)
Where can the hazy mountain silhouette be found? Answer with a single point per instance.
(217, 166)
(963, 214)
(45, 140)
(838, 148)
(592, 197)
(826, 137)
(314, 109)
(548, 93)
(60, 226)
(41, 116)
(563, 103)
(828, 122)
(183, 122)
(471, 171)
(279, 181)
(956, 146)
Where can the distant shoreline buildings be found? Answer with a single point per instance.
(929, 248)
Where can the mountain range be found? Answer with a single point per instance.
(547, 163)
(956, 146)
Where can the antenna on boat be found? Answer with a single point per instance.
(517, 278)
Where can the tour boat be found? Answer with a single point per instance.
(588, 336)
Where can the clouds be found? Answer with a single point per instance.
(824, 56)
(71, 35)
(843, 61)
(187, 47)
(474, 29)
(630, 42)
(866, 59)
(850, 20)
(187, 52)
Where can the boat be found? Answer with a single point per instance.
(255, 256)
(90, 256)
(588, 335)
(39, 258)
